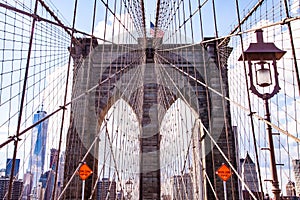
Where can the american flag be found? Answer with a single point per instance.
(159, 33)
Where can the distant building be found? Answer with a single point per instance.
(183, 187)
(239, 161)
(289, 198)
(166, 197)
(9, 166)
(17, 188)
(53, 158)
(249, 174)
(2, 172)
(47, 180)
(38, 151)
(296, 166)
(120, 195)
(106, 189)
(27, 185)
(290, 189)
(247, 196)
(61, 166)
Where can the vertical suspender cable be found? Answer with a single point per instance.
(292, 44)
(157, 17)
(223, 95)
(103, 72)
(144, 18)
(205, 180)
(95, 166)
(16, 137)
(257, 5)
(65, 101)
(249, 103)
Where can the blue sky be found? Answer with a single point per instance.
(226, 15)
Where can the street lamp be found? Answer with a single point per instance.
(129, 188)
(263, 56)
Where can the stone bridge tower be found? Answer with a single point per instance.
(93, 68)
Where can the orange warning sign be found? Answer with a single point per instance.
(84, 171)
(224, 172)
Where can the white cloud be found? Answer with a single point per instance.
(113, 29)
(295, 7)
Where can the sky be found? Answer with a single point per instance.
(226, 17)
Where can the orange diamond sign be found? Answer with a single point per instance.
(224, 172)
(84, 171)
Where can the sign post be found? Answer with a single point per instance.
(84, 172)
(83, 186)
(225, 190)
(224, 173)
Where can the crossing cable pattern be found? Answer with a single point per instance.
(262, 19)
(16, 45)
(181, 52)
(108, 67)
(237, 95)
(46, 89)
(38, 57)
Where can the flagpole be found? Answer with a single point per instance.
(150, 22)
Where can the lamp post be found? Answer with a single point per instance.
(128, 188)
(263, 56)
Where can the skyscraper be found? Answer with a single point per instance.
(47, 178)
(120, 195)
(61, 168)
(249, 174)
(16, 188)
(9, 165)
(38, 149)
(183, 187)
(27, 185)
(296, 165)
(53, 158)
(106, 189)
(290, 189)
(2, 172)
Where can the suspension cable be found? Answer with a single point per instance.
(234, 102)
(16, 137)
(249, 103)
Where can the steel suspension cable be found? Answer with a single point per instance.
(39, 18)
(223, 93)
(143, 18)
(86, 154)
(110, 141)
(187, 103)
(234, 102)
(281, 22)
(228, 162)
(65, 100)
(63, 107)
(186, 20)
(16, 137)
